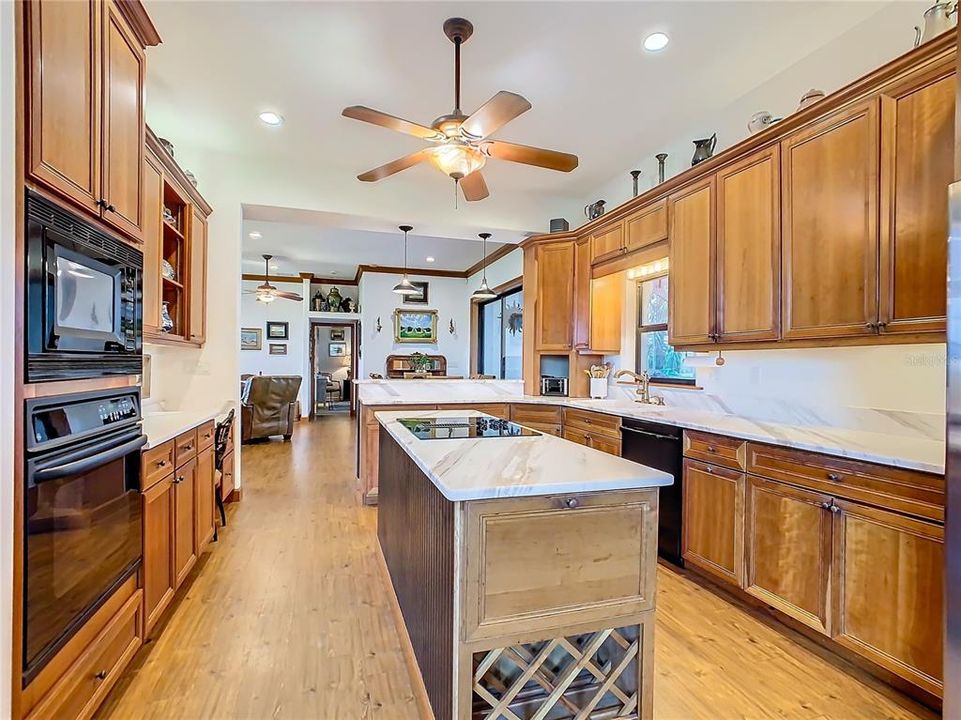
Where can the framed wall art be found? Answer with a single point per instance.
(419, 299)
(250, 339)
(337, 349)
(415, 326)
(278, 330)
(277, 349)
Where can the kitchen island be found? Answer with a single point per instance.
(523, 568)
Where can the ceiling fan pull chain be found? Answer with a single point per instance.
(455, 193)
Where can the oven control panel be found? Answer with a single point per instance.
(82, 416)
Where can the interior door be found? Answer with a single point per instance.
(691, 286)
(830, 191)
(185, 545)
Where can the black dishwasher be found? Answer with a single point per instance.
(659, 446)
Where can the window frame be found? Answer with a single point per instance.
(640, 328)
(477, 356)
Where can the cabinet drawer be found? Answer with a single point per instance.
(897, 489)
(205, 435)
(185, 447)
(498, 410)
(715, 449)
(582, 558)
(604, 443)
(592, 422)
(85, 683)
(546, 428)
(157, 463)
(528, 414)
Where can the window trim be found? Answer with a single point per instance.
(640, 329)
(476, 321)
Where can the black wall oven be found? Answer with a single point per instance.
(82, 528)
(84, 314)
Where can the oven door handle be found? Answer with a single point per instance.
(78, 467)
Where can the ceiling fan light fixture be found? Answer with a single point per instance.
(456, 158)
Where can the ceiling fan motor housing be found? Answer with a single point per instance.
(458, 29)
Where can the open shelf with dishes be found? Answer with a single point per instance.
(175, 256)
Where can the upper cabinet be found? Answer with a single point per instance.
(554, 296)
(607, 243)
(84, 95)
(197, 300)
(691, 295)
(831, 191)
(647, 226)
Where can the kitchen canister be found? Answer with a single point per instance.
(598, 388)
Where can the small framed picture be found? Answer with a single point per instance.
(337, 334)
(277, 330)
(250, 339)
(277, 349)
(421, 297)
(337, 349)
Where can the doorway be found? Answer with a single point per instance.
(333, 363)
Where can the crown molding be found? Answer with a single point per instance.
(500, 252)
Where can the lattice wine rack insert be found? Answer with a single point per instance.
(591, 676)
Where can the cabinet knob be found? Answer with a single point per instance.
(178, 480)
(834, 477)
(571, 503)
(188, 447)
(708, 469)
(711, 448)
(162, 463)
(111, 208)
(881, 325)
(102, 675)
(871, 326)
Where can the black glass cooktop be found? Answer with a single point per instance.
(447, 428)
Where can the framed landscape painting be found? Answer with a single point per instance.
(250, 339)
(415, 326)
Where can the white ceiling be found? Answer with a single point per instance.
(594, 92)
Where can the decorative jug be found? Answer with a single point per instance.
(703, 149)
(594, 210)
(166, 322)
(938, 18)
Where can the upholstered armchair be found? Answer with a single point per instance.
(269, 406)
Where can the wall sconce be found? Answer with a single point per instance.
(452, 329)
(378, 327)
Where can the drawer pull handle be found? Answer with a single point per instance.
(178, 480)
(161, 463)
(571, 503)
(102, 675)
(187, 448)
(834, 477)
(709, 469)
(711, 448)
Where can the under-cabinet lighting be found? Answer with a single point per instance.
(656, 267)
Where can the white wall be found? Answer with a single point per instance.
(500, 271)
(449, 296)
(8, 264)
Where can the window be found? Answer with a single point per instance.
(499, 336)
(654, 354)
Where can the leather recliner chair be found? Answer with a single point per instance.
(269, 406)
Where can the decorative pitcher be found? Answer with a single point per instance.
(938, 18)
(594, 210)
(703, 149)
(166, 322)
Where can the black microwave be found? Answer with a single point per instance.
(83, 307)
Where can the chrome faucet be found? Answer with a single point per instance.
(643, 383)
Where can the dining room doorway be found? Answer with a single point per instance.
(333, 362)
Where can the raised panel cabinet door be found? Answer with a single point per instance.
(691, 289)
(198, 277)
(152, 244)
(204, 505)
(123, 125)
(554, 300)
(62, 92)
(607, 243)
(888, 577)
(227, 475)
(917, 140)
(159, 575)
(185, 546)
(647, 226)
(788, 546)
(829, 226)
(713, 520)
(749, 249)
(582, 294)
(607, 301)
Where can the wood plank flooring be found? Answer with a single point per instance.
(285, 617)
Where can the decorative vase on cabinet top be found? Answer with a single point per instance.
(938, 18)
(703, 149)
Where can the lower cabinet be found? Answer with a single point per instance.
(159, 575)
(204, 504)
(713, 528)
(185, 545)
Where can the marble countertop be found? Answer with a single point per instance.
(161, 426)
(485, 468)
(914, 452)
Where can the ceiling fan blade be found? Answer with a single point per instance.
(550, 159)
(287, 295)
(395, 166)
(494, 114)
(474, 186)
(376, 117)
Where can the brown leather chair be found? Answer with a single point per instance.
(269, 407)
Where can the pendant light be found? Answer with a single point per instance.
(484, 292)
(405, 287)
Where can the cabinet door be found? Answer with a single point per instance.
(227, 474)
(713, 520)
(576, 436)
(582, 294)
(888, 577)
(204, 499)
(788, 544)
(123, 125)
(152, 244)
(917, 141)
(607, 243)
(691, 288)
(159, 574)
(829, 226)
(749, 249)
(63, 95)
(185, 546)
(554, 301)
(198, 277)
(647, 227)
(607, 301)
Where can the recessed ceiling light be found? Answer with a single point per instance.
(656, 41)
(429, 258)
(271, 118)
(255, 235)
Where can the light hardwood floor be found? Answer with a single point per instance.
(286, 618)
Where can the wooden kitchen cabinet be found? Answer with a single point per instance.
(830, 195)
(554, 296)
(159, 573)
(152, 243)
(691, 287)
(582, 294)
(917, 142)
(646, 227)
(888, 591)
(185, 545)
(788, 547)
(197, 300)
(748, 249)
(607, 303)
(205, 506)
(607, 243)
(713, 527)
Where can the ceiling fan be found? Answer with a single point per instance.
(267, 293)
(460, 143)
